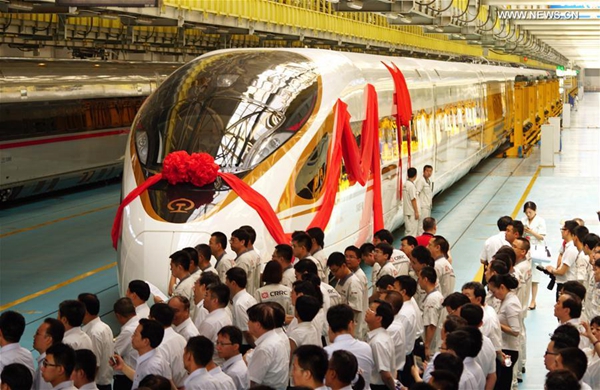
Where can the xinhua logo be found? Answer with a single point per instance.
(538, 15)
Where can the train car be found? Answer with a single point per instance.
(267, 115)
(66, 122)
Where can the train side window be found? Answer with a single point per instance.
(311, 177)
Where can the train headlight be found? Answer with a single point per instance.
(141, 143)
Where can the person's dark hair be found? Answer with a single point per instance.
(237, 275)
(423, 256)
(499, 267)
(561, 380)
(478, 290)
(581, 232)
(386, 248)
(140, 288)
(220, 238)
(307, 307)
(204, 251)
(455, 300)
(574, 287)
(410, 240)
(85, 360)
(591, 240)
(304, 266)
(443, 243)
(155, 382)
(573, 303)
(73, 311)
(55, 329)
(193, 253)
(507, 255)
(354, 249)
(339, 317)
(278, 313)
(273, 273)
(241, 235)
(221, 291)
(184, 301)
(472, 313)
(425, 386)
(453, 323)
(529, 205)
(408, 284)
(503, 222)
(444, 380)
(574, 360)
(313, 278)
(208, 278)
(429, 274)
(570, 226)
(285, 251)
(411, 172)
(233, 332)
(314, 359)
(124, 307)
(475, 340)
(12, 325)
(518, 227)
(201, 349)
(162, 313)
(305, 287)
(318, 235)
(366, 248)
(526, 245)
(17, 377)
(251, 233)
(508, 281)
(385, 281)
(385, 236)
(595, 321)
(64, 356)
(181, 258)
(394, 298)
(337, 259)
(450, 362)
(303, 240)
(429, 223)
(345, 366)
(565, 336)
(461, 343)
(263, 314)
(427, 166)
(91, 303)
(385, 311)
(153, 331)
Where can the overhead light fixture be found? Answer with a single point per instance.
(354, 4)
(222, 31)
(20, 6)
(109, 16)
(406, 18)
(145, 21)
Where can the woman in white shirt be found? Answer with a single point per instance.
(535, 232)
(509, 315)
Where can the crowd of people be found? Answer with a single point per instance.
(309, 321)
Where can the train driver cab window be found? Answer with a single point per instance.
(311, 177)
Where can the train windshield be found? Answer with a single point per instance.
(237, 106)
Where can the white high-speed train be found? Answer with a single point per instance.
(267, 116)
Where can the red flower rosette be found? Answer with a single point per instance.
(175, 167)
(202, 169)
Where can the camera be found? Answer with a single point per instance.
(552, 277)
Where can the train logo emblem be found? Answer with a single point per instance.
(181, 205)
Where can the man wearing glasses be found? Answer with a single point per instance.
(58, 366)
(49, 333)
(229, 340)
(567, 270)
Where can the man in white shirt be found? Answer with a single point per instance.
(16, 376)
(102, 339)
(486, 358)
(309, 366)
(204, 256)
(229, 340)
(270, 362)
(349, 287)
(305, 332)
(172, 345)
(12, 326)
(58, 366)
(341, 328)
(139, 293)
(398, 258)
(246, 259)
(224, 259)
(50, 332)
(574, 360)
(410, 206)
(466, 345)
(567, 269)
(383, 252)
(432, 310)
(284, 254)
(396, 329)
(568, 310)
(180, 265)
(378, 318)
(71, 314)
(495, 242)
(216, 301)
(301, 245)
(122, 346)
(197, 355)
(317, 237)
(147, 337)
(182, 323)
(490, 323)
(424, 186)
(241, 301)
(85, 370)
(439, 247)
(206, 279)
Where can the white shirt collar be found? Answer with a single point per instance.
(146, 356)
(372, 333)
(183, 325)
(265, 336)
(10, 347)
(197, 373)
(232, 360)
(63, 385)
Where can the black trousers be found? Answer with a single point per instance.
(405, 375)
(121, 382)
(505, 374)
(378, 387)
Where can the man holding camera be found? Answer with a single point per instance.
(567, 270)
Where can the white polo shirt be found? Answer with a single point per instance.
(224, 264)
(445, 275)
(509, 314)
(289, 276)
(142, 311)
(38, 382)
(200, 314)
(492, 244)
(14, 353)
(77, 339)
(351, 291)
(400, 261)
(213, 323)
(122, 343)
(200, 379)
(171, 348)
(486, 358)
(569, 258)
(102, 341)
(224, 382)
(432, 316)
(187, 329)
(150, 363)
(384, 356)
(398, 334)
(241, 302)
(333, 295)
(321, 257)
(276, 293)
(408, 316)
(491, 327)
(361, 350)
(270, 364)
(247, 261)
(387, 269)
(305, 334)
(237, 370)
(66, 385)
(475, 369)
(185, 288)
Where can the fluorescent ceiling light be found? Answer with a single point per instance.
(354, 4)
(20, 6)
